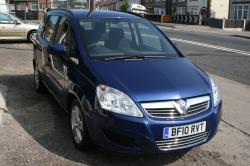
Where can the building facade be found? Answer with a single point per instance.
(114, 5)
(240, 9)
(217, 8)
(155, 6)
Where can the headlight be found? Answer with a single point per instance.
(216, 93)
(116, 101)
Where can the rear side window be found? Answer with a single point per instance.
(50, 28)
(6, 19)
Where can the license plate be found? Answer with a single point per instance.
(181, 131)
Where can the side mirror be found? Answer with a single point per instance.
(16, 22)
(57, 49)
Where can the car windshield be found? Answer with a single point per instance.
(122, 38)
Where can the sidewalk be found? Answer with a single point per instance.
(207, 29)
(236, 103)
(3, 95)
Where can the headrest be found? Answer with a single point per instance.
(116, 33)
(99, 27)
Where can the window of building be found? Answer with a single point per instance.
(240, 12)
(245, 12)
(193, 10)
(181, 10)
(32, 6)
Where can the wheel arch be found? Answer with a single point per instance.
(29, 32)
(74, 92)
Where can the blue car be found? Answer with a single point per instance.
(124, 84)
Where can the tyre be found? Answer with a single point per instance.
(39, 86)
(31, 35)
(79, 128)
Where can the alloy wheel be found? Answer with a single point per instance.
(77, 123)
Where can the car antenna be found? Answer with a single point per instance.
(91, 7)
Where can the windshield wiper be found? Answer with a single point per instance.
(135, 57)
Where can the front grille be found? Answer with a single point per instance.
(182, 142)
(168, 109)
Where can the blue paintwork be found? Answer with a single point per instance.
(56, 49)
(142, 80)
(152, 80)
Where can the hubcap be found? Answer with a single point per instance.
(77, 123)
(36, 77)
(32, 36)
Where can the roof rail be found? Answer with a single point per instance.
(58, 9)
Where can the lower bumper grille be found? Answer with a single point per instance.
(182, 142)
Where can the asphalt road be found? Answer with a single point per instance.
(228, 64)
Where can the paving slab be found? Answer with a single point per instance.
(236, 103)
(3, 108)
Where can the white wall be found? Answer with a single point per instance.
(3, 6)
(219, 9)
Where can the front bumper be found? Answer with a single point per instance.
(126, 134)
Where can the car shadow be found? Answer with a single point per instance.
(43, 119)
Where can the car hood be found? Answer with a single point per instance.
(153, 80)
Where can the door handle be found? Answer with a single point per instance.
(65, 72)
(75, 60)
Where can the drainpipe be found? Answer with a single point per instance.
(91, 6)
(208, 8)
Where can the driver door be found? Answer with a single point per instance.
(60, 63)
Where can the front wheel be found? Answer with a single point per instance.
(79, 127)
(31, 35)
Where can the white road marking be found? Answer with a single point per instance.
(191, 30)
(212, 46)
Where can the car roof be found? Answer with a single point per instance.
(84, 13)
